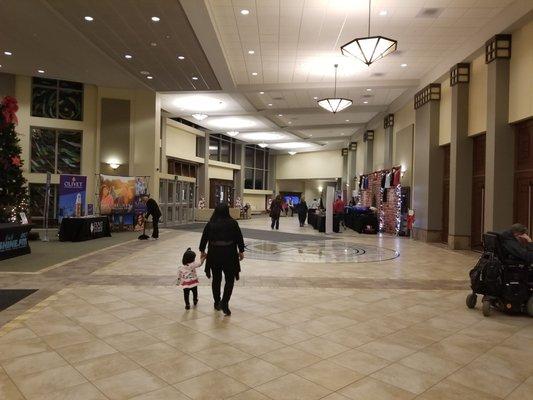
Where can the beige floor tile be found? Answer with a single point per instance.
(292, 387)
(193, 342)
(33, 363)
(249, 395)
(359, 361)
(114, 328)
(431, 364)
(130, 341)
(22, 348)
(178, 369)
(76, 336)
(448, 351)
(149, 321)
(167, 393)
(385, 349)
(171, 331)
(153, 353)
(288, 335)
(228, 335)
(290, 359)
(220, 356)
(523, 391)
(259, 325)
(128, 384)
(85, 351)
(134, 312)
(335, 396)
(372, 389)
(8, 389)
(211, 386)
(257, 345)
(105, 366)
(447, 390)
(97, 319)
(484, 381)
(510, 363)
(347, 338)
(253, 372)
(16, 334)
(45, 382)
(406, 378)
(321, 347)
(85, 391)
(329, 375)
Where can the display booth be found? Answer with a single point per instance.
(14, 240)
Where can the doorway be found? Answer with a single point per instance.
(523, 196)
(176, 200)
(446, 195)
(478, 193)
(220, 191)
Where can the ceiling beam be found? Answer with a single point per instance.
(376, 84)
(322, 126)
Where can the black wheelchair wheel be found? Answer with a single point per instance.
(486, 307)
(471, 300)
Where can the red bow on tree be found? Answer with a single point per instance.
(15, 160)
(9, 108)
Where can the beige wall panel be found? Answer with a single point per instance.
(445, 113)
(521, 79)
(403, 153)
(379, 147)
(220, 173)
(477, 97)
(257, 201)
(180, 144)
(314, 165)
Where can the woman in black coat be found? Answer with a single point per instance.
(226, 250)
(302, 211)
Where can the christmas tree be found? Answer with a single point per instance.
(13, 193)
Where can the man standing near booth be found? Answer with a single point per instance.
(152, 208)
(338, 213)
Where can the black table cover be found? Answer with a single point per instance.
(14, 240)
(80, 229)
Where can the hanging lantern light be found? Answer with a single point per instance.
(334, 104)
(371, 48)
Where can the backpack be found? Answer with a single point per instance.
(487, 276)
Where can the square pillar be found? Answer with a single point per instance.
(428, 166)
(499, 161)
(202, 181)
(368, 139)
(351, 163)
(239, 174)
(388, 124)
(460, 161)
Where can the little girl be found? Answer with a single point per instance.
(187, 278)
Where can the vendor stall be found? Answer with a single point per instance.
(86, 228)
(14, 240)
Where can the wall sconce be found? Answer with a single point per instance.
(403, 170)
(113, 164)
(292, 153)
(320, 189)
(344, 152)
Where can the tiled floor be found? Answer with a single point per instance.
(113, 326)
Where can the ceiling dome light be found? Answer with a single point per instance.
(263, 136)
(8, 53)
(371, 48)
(270, 104)
(153, 44)
(403, 65)
(368, 90)
(254, 73)
(251, 52)
(156, 19)
(292, 145)
(128, 56)
(245, 12)
(365, 102)
(199, 103)
(194, 78)
(263, 145)
(383, 13)
(232, 133)
(145, 73)
(149, 77)
(181, 57)
(200, 117)
(261, 92)
(88, 18)
(232, 123)
(334, 104)
(41, 71)
(280, 115)
(292, 153)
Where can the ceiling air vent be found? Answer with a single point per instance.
(278, 98)
(378, 74)
(429, 12)
(367, 96)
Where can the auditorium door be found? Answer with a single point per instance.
(523, 196)
(478, 193)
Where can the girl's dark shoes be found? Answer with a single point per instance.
(226, 310)
(195, 301)
(216, 306)
(187, 307)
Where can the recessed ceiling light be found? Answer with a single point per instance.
(270, 104)
(200, 117)
(368, 90)
(254, 73)
(342, 134)
(347, 120)
(145, 73)
(198, 103)
(41, 71)
(194, 78)
(251, 52)
(149, 77)
(156, 19)
(263, 145)
(292, 145)
(310, 135)
(315, 98)
(403, 65)
(153, 44)
(232, 133)
(290, 122)
(88, 18)
(128, 56)
(383, 13)
(365, 102)
(181, 57)
(245, 12)
(263, 136)
(292, 153)
(261, 92)
(280, 115)
(232, 123)
(8, 53)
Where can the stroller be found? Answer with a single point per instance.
(505, 284)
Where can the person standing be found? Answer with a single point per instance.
(302, 209)
(225, 251)
(152, 209)
(338, 211)
(275, 211)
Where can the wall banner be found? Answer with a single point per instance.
(72, 189)
(117, 194)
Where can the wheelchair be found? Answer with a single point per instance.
(511, 289)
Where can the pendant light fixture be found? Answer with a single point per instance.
(334, 104)
(371, 48)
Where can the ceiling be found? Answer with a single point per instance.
(266, 69)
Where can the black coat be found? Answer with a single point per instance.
(152, 209)
(225, 243)
(516, 250)
(302, 208)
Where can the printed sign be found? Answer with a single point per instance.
(72, 189)
(117, 194)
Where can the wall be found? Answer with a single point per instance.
(360, 158)
(257, 201)
(445, 113)
(403, 153)
(115, 135)
(404, 117)
(290, 186)
(379, 147)
(220, 173)
(180, 143)
(521, 78)
(477, 96)
(314, 165)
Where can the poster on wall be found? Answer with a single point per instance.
(117, 194)
(72, 190)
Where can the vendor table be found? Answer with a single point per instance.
(318, 221)
(14, 240)
(80, 229)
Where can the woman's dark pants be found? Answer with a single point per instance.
(229, 277)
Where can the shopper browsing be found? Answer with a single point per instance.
(187, 277)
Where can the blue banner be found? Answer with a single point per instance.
(72, 189)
